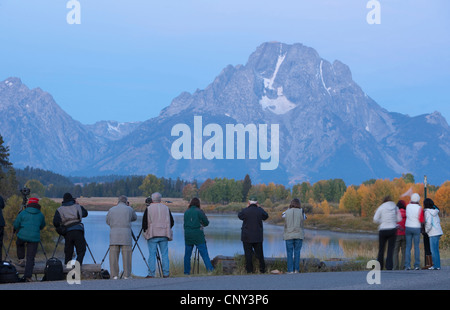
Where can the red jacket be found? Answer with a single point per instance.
(401, 224)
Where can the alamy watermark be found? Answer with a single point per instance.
(74, 15)
(374, 275)
(374, 15)
(74, 274)
(213, 148)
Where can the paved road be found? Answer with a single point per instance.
(352, 280)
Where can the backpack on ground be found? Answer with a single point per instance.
(8, 273)
(54, 269)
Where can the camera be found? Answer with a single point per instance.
(25, 191)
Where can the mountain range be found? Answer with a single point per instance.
(328, 127)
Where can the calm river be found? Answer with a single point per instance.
(223, 238)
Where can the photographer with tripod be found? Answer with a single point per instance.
(28, 224)
(157, 224)
(119, 219)
(67, 221)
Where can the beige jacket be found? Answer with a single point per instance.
(293, 224)
(158, 217)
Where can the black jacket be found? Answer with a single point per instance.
(2, 205)
(252, 226)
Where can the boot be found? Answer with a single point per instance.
(428, 262)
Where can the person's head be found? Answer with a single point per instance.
(428, 203)
(34, 202)
(387, 198)
(195, 202)
(401, 204)
(123, 199)
(156, 197)
(253, 200)
(148, 200)
(295, 203)
(68, 197)
(415, 198)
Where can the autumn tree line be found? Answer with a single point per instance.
(324, 196)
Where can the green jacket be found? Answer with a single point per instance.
(194, 221)
(29, 223)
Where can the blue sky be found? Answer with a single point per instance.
(128, 59)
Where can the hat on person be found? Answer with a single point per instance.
(67, 197)
(253, 200)
(33, 200)
(415, 197)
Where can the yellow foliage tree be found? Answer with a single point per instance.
(442, 198)
(325, 206)
(351, 201)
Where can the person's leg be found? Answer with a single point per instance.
(390, 249)
(151, 243)
(434, 245)
(126, 260)
(31, 254)
(289, 255)
(402, 249)
(187, 258)
(408, 238)
(248, 254)
(114, 260)
(381, 245)
(164, 252)
(20, 246)
(416, 241)
(203, 251)
(297, 248)
(68, 246)
(258, 246)
(80, 245)
(395, 257)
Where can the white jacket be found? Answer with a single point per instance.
(433, 223)
(414, 215)
(387, 215)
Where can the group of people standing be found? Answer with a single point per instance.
(157, 223)
(29, 223)
(400, 227)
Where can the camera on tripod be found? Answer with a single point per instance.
(25, 191)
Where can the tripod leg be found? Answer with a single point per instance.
(139, 248)
(193, 267)
(91, 253)
(104, 257)
(158, 259)
(7, 254)
(45, 254)
(136, 239)
(198, 260)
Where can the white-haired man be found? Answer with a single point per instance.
(157, 225)
(119, 219)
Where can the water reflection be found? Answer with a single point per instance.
(223, 238)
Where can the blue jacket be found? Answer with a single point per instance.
(29, 223)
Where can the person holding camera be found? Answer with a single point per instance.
(28, 226)
(67, 221)
(119, 219)
(157, 225)
(252, 233)
(194, 221)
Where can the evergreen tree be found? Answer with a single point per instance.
(8, 182)
(246, 186)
